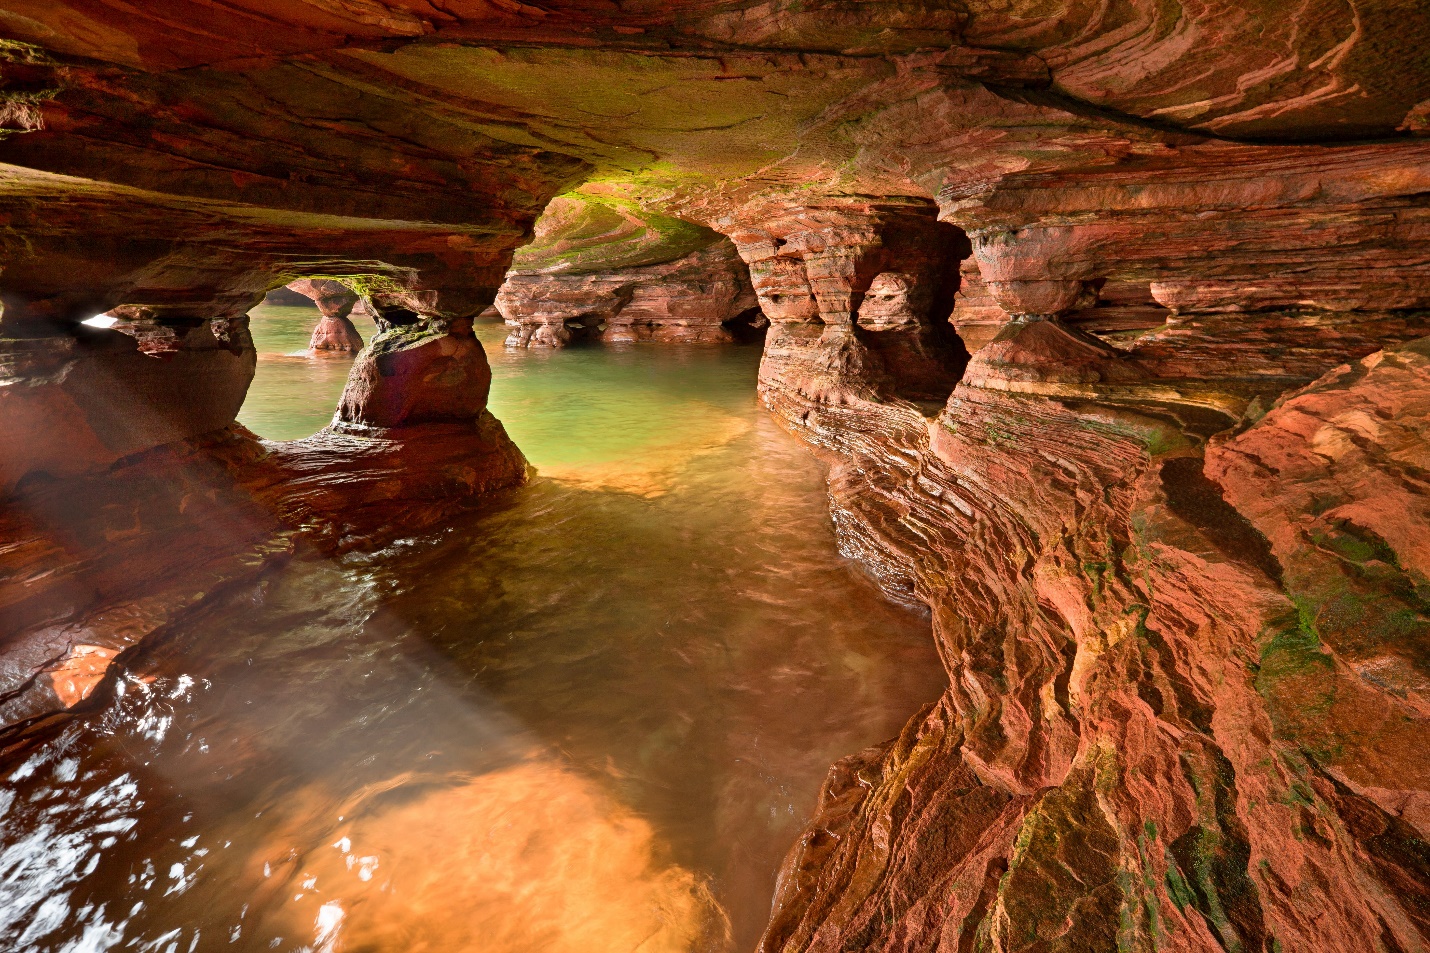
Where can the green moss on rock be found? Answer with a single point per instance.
(583, 232)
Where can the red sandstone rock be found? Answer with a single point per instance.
(690, 300)
(1211, 229)
(333, 298)
(335, 301)
(1123, 754)
(334, 333)
(872, 283)
(76, 404)
(1161, 731)
(209, 260)
(1331, 477)
(1038, 356)
(417, 375)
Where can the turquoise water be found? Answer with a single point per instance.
(592, 716)
(581, 415)
(294, 390)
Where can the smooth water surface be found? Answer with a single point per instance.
(295, 391)
(592, 716)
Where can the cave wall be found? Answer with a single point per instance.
(603, 270)
(1162, 492)
(1187, 660)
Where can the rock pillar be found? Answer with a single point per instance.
(335, 301)
(858, 295)
(414, 413)
(415, 374)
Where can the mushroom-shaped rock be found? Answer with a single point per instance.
(335, 300)
(335, 334)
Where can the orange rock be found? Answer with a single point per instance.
(77, 675)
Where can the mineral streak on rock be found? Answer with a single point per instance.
(1168, 515)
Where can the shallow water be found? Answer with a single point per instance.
(294, 390)
(592, 716)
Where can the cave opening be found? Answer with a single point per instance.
(303, 359)
(542, 705)
(661, 344)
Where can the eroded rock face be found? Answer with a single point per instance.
(335, 301)
(1148, 734)
(1332, 478)
(334, 333)
(602, 270)
(1182, 621)
(333, 298)
(858, 295)
(76, 403)
(694, 299)
(1172, 713)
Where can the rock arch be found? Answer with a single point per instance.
(1148, 739)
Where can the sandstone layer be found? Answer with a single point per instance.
(604, 271)
(1160, 732)
(335, 300)
(1162, 493)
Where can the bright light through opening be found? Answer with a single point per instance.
(101, 321)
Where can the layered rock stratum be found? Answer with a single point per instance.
(603, 270)
(1162, 491)
(335, 330)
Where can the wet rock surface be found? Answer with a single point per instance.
(1181, 691)
(1163, 491)
(114, 528)
(701, 297)
(77, 403)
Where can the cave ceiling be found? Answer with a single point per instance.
(461, 112)
(369, 137)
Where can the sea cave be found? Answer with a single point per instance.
(714, 476)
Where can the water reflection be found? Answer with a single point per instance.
(585, 416)
(581, 719)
